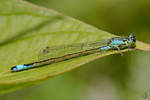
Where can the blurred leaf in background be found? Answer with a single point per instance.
(104, 79)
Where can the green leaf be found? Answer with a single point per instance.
(26, 28)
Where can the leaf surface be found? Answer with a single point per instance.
(26, 28)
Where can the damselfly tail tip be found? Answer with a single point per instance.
(13, 69)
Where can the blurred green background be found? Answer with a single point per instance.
(113, 77)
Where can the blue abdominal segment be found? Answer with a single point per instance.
(104, 48)
(20, 67)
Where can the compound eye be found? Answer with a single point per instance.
(132, 37)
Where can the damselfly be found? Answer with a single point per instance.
(51, 54)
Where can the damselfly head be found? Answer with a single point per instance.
(132, 41)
